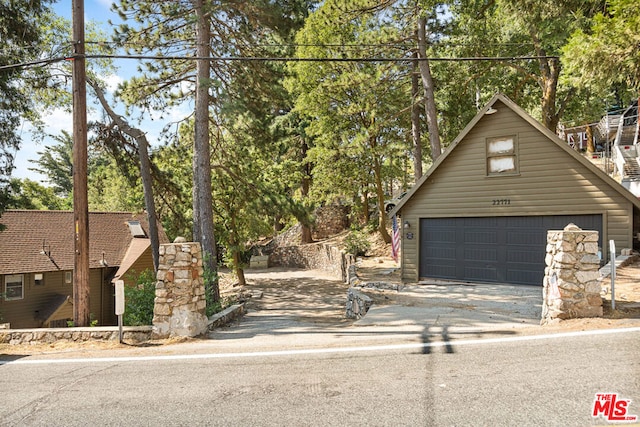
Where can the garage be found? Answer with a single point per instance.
(481, 212)
(494, 249)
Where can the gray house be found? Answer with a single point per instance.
(482, 211)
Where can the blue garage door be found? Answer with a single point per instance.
(494, 249)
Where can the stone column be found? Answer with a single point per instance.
(571, 286)
(180, 301)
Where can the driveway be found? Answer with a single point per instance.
(292, 301)
(289, 300)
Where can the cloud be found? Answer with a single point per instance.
(112, 81)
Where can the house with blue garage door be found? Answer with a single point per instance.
(482, 211)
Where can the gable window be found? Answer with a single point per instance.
(13, 287)
(502, 156)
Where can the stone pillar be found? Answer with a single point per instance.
(571, 286)
(180, 301)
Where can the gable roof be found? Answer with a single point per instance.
(553, 138)
(40, 241)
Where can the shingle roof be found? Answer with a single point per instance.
(31, 235)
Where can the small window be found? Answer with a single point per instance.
(68, 276)
(38, 279)
(13, 287)
(502, 157)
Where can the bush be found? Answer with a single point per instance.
(139, 300)
(357, 243)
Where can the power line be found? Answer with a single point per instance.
(282, 59)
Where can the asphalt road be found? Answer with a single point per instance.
(523, 380)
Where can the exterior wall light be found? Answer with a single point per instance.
(407, 225)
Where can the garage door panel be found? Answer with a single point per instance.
(441, 236)
(486, 274)
(442, 270)
(441, 253)
(480, 254)
(528, 256)
(494, 249)
(479, 236)
(524, 237)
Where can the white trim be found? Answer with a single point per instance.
(14, 282)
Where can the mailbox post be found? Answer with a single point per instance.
(120, 304)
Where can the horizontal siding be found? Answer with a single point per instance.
(22, 313)
(550, 182)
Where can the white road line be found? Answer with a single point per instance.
(278, 353)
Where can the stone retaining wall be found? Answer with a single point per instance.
(330, 220)
(131, 334)
(571, 286)
(313, 256)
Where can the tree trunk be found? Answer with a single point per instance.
(365, 206)
(145, 170)
(377, 171)
(238, 269)
(550, 116)
(306, 236)
(429, 97)
(590, 145)
(235, 252)
(202, 199)
(415, 120)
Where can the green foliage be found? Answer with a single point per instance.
(214, 305)
(56, 164)
(21, 35)
(607, 53)
(28, 194)
(139, 300)
(357, 242)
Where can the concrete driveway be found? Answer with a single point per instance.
(460, 307)
(286, 300)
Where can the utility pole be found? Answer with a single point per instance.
(80, 203)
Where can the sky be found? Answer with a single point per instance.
(99, 12)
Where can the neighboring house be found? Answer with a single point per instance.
(482, 211)
(37, 261)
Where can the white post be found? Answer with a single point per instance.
(120, 304)
(612, 248)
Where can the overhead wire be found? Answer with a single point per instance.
(278, 59)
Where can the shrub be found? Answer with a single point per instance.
(357, 243)
(139, 300)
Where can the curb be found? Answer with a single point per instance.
(226, 316)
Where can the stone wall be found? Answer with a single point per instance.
(130, 334)
(571, 286)
(313, 256)
(330, 220)
(358, 304)
(180, 301)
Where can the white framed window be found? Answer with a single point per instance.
(502, 155)
(14, 287)
(68, 276)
